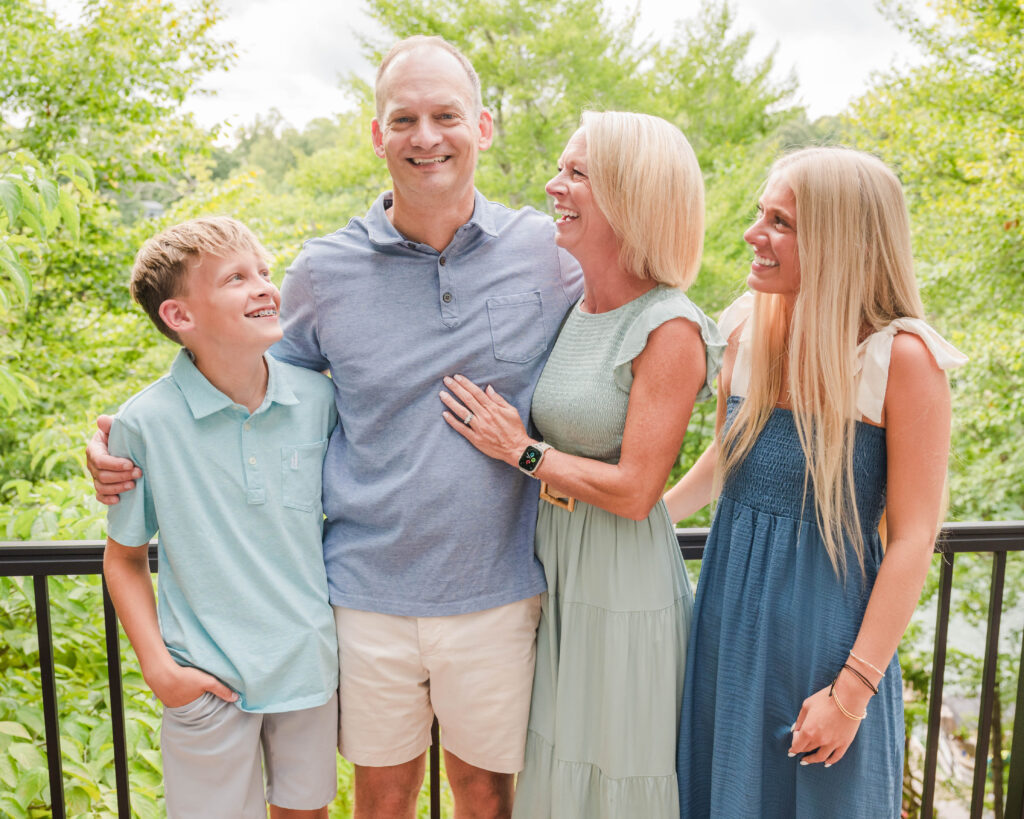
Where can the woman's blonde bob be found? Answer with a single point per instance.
(856, 277)
(648, 184)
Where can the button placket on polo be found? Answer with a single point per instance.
(448, 295)
(255, 490)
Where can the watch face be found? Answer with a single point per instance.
(530, 458)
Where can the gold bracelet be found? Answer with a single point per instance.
(839, 705)
(865, 662)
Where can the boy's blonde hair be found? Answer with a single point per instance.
(648, 184)
(162, 263)
(856, 277)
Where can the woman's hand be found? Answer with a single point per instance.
(822, 732)
(494, 427)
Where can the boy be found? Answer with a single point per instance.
(231, 445)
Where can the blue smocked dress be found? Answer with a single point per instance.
(773, 624)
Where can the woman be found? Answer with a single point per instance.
(833, 407)
(612, 406)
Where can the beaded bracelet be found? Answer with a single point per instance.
(861, 677)
(878, 671)
(839, 705)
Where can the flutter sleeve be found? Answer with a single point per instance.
(873, 356)
(676, 306)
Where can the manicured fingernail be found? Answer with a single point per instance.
(790, 754)
(447, 380)
(804, 762)
(828, 764)
(792, 727)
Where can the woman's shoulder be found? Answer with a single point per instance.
(904, 347)
(662, 305)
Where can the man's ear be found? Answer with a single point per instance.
(176, 315)
(486, 130)
(377, 134)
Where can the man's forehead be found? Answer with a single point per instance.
(399, 102)
(426, 75)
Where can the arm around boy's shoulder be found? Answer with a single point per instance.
(132, 521)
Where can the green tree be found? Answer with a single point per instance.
(108, 87)
(953, 128)
(36, 202)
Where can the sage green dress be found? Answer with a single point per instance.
(611, 645)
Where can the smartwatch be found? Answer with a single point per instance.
(532, 456)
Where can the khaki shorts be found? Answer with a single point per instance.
(473, 671)
(212, 759)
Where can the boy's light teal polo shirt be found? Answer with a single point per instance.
(236, 499)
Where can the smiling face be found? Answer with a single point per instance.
(429, 130)
(229, 302)
(581, 226)
(776, 265)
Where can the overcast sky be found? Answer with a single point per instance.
(291, 52)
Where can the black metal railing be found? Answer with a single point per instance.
(41, 560)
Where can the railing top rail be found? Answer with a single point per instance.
(84, 556)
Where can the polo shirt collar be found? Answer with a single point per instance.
(382, 232)
(204, 399)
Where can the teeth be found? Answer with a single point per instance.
(763, 262)
(568, 214)
(269, 311)
(437, 160)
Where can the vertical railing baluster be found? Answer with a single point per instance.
(988, 684)
(124, 807)
(938, 678)
(48, 681)
(1015, 788)
(435, 771)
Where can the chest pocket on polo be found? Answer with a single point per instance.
(302, 467)
(517, 326)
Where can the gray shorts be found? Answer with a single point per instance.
(212, 754)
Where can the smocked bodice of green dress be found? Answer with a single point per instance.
(581, 399)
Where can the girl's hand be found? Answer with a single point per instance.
(494, 427)
(822, 732)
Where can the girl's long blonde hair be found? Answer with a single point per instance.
(856, 277)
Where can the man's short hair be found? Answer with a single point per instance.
(423, 41)
(162, 263)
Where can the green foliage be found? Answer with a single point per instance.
(108, 87)
(37, 201)
(953, 129)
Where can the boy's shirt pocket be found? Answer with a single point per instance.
(302, 468)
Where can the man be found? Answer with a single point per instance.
(428, 544)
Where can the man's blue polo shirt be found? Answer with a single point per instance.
(418, 522)
(236, 499)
